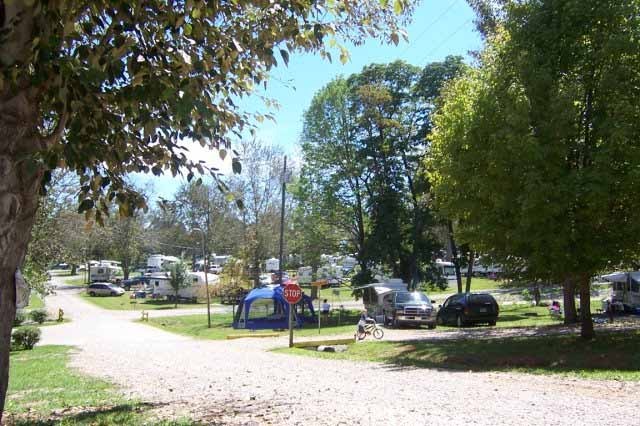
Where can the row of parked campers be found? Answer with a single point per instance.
(157, 284)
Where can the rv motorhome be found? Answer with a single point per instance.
(160, 283)
(157, 262)
(625, 288)
(272, 265)
(103, 272)
(305, 275)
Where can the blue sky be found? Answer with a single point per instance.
(439, 28)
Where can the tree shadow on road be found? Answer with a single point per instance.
(123, 414)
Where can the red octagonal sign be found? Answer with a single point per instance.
(292, 293)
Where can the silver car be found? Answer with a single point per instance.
(104, 289)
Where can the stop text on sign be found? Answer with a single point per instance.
(292, 293)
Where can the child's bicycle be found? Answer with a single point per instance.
(369, 329)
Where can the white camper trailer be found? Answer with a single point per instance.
(447, 270)
(157, 262)
(625, 288)
(305, 275)
(160, 282)
(272, 265)
(348, 263)
(103, 272)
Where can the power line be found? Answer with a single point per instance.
(445, 40)
(428, 27)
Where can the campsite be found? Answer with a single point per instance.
(331, 212)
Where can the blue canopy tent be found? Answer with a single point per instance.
(265, 308)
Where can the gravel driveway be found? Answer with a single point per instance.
(238, 382)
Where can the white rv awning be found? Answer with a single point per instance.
(621, 277)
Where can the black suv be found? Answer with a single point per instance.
(469, 308)
(134, 282)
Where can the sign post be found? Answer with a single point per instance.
(292, 294)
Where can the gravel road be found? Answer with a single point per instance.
(238, 382)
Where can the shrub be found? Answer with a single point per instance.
(38, 315)
(19, 319)
(26, 337)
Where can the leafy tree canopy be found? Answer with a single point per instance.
(107, 88)
(536, 153)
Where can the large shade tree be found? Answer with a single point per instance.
(105, 88)
(537, 153)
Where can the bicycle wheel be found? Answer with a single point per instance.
(361, 335)
(378, 333)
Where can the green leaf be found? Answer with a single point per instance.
(395, 38)
(285, 56)
(240, 204)
(398, 7)
(223, 153)
(195, 13)
(236, 166)
(85, 205)
(188, 29)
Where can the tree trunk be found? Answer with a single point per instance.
(7, 314)
(125, 269)
(454, 256)
(586, 323)
(569, 301)
(20, 179)
(536, 293)
(470, 270)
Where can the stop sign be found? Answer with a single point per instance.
(292, 293)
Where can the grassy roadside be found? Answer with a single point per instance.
(196, 326)
(124, 303)
(477, 285)
(43, 390)
(612, 356)
(35, 301)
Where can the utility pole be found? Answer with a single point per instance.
(206, 275)
(284, 187)
(291, 305)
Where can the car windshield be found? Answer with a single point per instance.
(417, 297)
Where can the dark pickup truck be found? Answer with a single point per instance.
(410, 308)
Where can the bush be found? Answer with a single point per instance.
(26, 337)
(38, 315)
(19, 319)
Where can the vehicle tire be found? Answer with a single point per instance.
(361, 335)
(378, 333)
(92, 293)
(492, 323)
(113, 293)
(439, 320)
(459, 321)
(431, 326)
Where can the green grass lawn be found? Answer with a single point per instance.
(612, 356)
(196, 326)
(40, 382)
(74, 280)
(123, 303)
(477, 285)
(35, 301)
(520, 315)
